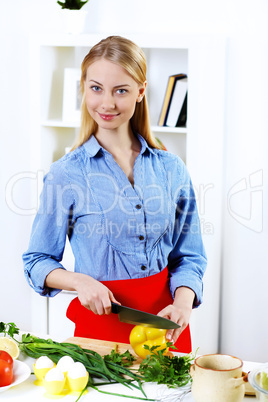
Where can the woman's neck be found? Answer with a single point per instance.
(118, 141)
(124, 147)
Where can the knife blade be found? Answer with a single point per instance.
(137, 317)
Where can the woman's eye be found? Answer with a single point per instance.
(121, 91)
(95, 88)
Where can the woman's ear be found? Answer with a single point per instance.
(142, 91)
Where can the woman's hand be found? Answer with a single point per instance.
(179, 311)
(92, 294)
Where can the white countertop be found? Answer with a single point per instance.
(29, 392)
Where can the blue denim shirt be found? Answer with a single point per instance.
(116, 230)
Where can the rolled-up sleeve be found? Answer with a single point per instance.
(187, 261)
(49, 230)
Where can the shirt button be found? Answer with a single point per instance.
(141, 237)
(143, 267)
(138, 206)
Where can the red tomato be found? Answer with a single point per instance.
(6, 356)
(6, 373)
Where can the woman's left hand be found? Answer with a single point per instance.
(179, 311)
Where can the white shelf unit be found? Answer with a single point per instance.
(56, 54)
(202, 58)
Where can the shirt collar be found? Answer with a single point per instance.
(93, 147)
(144, 145)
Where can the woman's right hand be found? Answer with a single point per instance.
(94, 295)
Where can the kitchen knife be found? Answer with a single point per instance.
(137, 317)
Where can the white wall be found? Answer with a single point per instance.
(244, 324)
(245, 260)
(14, 119)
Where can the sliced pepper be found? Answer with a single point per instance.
(140, 336)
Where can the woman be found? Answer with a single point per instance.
(127, 207)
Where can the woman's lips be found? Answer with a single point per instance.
(108, 117)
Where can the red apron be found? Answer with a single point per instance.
(150, 294)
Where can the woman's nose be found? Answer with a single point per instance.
(108, 101)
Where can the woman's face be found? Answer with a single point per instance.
(111, 95)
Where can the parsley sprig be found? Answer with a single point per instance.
(174, 371)
(125, 359)
(9, 329)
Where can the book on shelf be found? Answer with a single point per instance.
(177, 114)
(174, 109)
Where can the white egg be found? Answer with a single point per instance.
(65, 363)
(54, 375)
(77, 370)
(44, 362)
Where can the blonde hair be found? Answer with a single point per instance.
(128, 55)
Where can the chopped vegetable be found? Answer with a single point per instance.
(172, 371)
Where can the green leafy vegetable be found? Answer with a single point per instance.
(9, 329)
(125, 359)
(173, 371)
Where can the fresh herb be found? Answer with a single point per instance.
(9, 329)
(125, 359)
(163, 369)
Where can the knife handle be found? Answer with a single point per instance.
(115, 308)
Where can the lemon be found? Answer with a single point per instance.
(264, 380)
(9, 346)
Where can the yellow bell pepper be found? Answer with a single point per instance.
(140, 336)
